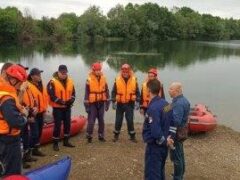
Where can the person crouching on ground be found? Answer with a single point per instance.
(62, 96)
(96, 101)
(180, 108)
(155, 133)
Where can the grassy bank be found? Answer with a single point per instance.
(214, 155)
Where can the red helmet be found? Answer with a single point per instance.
(153, 71)
(96, 66)
(126, 67)
(18, 72)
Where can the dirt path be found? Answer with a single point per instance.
(213, 155)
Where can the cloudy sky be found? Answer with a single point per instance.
(53, 8)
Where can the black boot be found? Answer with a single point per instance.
(116, 137)
(67, 143)
(55, 145)
(89, 139)
(133, 138)
(25, 165)
(27, 156)
(102, 139)
(36, 152)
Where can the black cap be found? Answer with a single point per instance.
(62, 68)
(35, 71)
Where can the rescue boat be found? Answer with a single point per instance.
(201, 119)
(77, 124)
(58, 170)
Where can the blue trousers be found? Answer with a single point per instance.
(36, 130)
(155, 158)
(177, 156)
(96, 110)
(10, 155)
(25, 137)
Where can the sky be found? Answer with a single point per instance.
(53, 8)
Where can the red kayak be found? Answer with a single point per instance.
(77, 124)
(201, 119)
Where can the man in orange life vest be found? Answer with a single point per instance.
(41, 98)
(11, 120)
(96, 101)
(145, 96)
(125, 96)
(62, 96)
(26, 99)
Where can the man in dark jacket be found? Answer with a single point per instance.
(181, 108)
(156, 133)
(62, 96)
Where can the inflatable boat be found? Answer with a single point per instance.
(201, 119)
(77, 124)
(58, 170)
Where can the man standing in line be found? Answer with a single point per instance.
(125, 96)
(145, 97)
(155, 133)
(40, 95)
(96, 101)
(11, 120)
(61, 93)
(180, 108)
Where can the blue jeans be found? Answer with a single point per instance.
(177, 156)
(155, 158)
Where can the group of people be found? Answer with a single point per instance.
(24, 101)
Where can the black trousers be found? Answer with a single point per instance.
(10, 155)
(128, 110)
(59, 115)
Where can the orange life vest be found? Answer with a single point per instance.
(146, 95)
(8, 92)
(40, 97)
(61, 92)
(126, 92)
(97, 88)
(28, 98)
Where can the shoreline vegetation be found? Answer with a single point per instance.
(148, 21)
(213, 155)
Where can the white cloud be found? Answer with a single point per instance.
(53, 8)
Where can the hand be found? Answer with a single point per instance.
(106, 106)
(61, 102)
(114, 105)
(34, 111)
(25, 111)
(170, 142)
(30, 120)
(142, 111)
(137, 105)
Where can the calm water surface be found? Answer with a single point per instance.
(209, 71)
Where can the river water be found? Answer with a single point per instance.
(209, 71)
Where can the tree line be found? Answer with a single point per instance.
(133, 22)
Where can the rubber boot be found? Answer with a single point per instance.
(133, 138)
(89, 138)
(36, 152)
(101, 139)
(27, 156)
(116, 137)
(55, 145)
(67, 143)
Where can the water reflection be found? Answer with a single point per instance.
(208, 70)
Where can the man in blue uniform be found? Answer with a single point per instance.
(156, 132)
(180, 108)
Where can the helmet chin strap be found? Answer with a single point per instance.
(12, 84)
